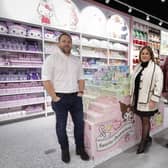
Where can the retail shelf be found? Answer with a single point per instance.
(94, 46)
(89, 56)
(20, 66)
(47, 27)
(14, 81)
(118, 58)
(50, 41)
(25, 37)
(118, 40)
(21, 51)
(94, 36)
(119, 50)
(15, 91)
(21, 102)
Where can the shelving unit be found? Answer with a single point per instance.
(21, 57)
(144, 34)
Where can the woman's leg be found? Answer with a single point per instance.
(145, 134)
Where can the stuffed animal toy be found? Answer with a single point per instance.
(34, 32)
(16, 29)
(127, 112)
(3, 28)
(49, 35)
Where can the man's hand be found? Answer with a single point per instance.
(56, 99)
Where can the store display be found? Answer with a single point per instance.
(20, 70)
(144, 34)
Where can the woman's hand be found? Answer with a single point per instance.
(152, 104)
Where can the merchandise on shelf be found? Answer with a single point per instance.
(34, 32)
(144, 35)
(3, 27)
(20, 70)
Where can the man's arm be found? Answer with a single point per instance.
(81, 84)
(50, 90)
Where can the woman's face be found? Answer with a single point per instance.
(145, 55)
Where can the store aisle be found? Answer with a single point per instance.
(33, 144)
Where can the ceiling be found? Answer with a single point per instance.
(154, 8)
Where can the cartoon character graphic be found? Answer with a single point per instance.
(117, 27)
(127, 113)
(45, 10)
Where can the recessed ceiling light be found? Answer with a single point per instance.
(160, 23)
(107, 1)
(129, 10)
(147, 17)
(163, 0)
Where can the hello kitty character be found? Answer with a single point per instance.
(45, 10)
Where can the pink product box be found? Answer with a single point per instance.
(93, 116)
(101, 107)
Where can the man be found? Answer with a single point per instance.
(63, 79)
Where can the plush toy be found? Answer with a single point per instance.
(17, 29)
(34, 32)
(49, 35)
(3, 28)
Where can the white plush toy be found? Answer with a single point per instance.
(16, 29)
(50, 35)
(3, 28)
(34, 32)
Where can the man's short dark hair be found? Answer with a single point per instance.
(64, 34)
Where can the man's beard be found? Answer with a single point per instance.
(65, 51)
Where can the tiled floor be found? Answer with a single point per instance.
(33, 144)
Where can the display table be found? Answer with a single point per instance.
(111, 128)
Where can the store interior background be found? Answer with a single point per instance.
(107, 44)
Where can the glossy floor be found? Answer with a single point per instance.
(33, 144)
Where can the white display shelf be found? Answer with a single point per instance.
(94, 46)
(118, 58)
(119, 50)
(56, 41)
(21, 51)
(25, 37)
(118, 40)
(50, 41)
(21, 102)
(94, 36)
(48, 99)
(89, 56)
(15, 91)
(20, 66)
(17, 81)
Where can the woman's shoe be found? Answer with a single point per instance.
(142, 147)
(149, 140)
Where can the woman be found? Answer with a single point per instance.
(145, 89)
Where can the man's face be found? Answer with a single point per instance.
(65, 44)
